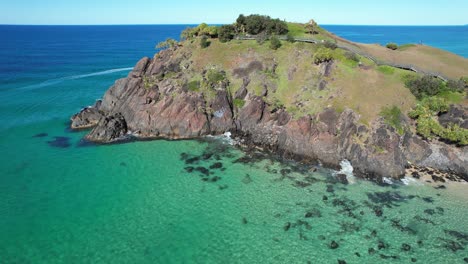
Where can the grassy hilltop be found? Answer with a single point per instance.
(308, 69)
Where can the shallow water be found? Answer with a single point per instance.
(65, 201)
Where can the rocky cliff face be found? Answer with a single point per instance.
(153, 102)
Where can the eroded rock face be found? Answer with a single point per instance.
(152, 105)
(87, 117)
(109, 129)
(455, 115)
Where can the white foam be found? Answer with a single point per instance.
(387, 180)
(346, 169)
(74, 77)
(410, 181)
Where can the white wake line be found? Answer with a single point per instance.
(74, 77)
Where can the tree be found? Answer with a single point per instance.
(275, 43)
(392, 46)
(312, 27)
(188, 33)
(168, 43)
(226, 33)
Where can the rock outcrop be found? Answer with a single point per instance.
(154, 102)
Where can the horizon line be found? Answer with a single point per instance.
(191, 24)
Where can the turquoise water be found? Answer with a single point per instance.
(65, 201)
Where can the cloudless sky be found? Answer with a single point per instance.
(364, 12)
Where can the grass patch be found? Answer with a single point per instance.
(386, 69)
(406, 46)
(239, 103)
(452, 97)
(296, 30)
(392, 116)
(193, 86)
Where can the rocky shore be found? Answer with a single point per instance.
(150, 104)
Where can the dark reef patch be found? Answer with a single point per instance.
(40, 135)
(60, 142)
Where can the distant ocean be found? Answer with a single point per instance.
(62, 201)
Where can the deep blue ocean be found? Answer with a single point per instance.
(62, 201)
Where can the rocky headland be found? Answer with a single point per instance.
(183, 93)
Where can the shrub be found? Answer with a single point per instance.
(424, 86)
(215, 78)
(256, 24)
(351, 56)
(392, 46)
(428, 127)
(386, 69)
(330, 45)
(392, 116)
(312, 27)
(456, 86)
(226, 33)
(290, 38)
(323, 55)
(168, 43)
(193, 86)
(275, 43)
(204, 43)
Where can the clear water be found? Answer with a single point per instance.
(62, 201)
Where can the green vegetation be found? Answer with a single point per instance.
(275, 43)
(406, 46)
(204, 42)
(256, 24)
(168, 43)
(323, 55)
(149, 81)
(226, 33)
(312, 27)
(386, 69)
(193, 86)
(392, 46)
(201, 30)
(239, 103)
(427, 86)
(393, 116)
(427, 125)
(330, 45)
(296, 30)
(215, 78)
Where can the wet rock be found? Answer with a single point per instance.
(222, 187)
(215, 179)
(322, 237)
(452, 245)
(313, 213)
(378, 211)
(244, 220)
(357, 254)
(436, 178)
(466, 260)
(458, 235)
(123, 164)
(423, 220)
(405, 247)
(217, 165)
(60, 142)
(324, 198)
(87, 117)
(203, 170)
(189, 169)
(40, 135)
(342, 178)
(396, 224)
(109, 129)
(381, 245)
(340, 261)
(287, 226)
(334, 245)
(371, 251)
(428, 199)
(440, 187)
(387, 257)
(330, 189)
(414, 260)
(374, 233)
(429, 211)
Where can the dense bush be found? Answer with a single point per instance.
(290, 38)
(392, 116)
(226, 33)
(204, 43)
(323, 55)
(351, 56)
(275, 43)
(256, 24)
(215, 78)
(201, 30)
(193, 86)
(312, 27)
(456, 86)
(424, 86)
(168, 43)
(330, 45)
(427, 125)
(392, 46)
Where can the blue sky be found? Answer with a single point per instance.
(364, 12)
